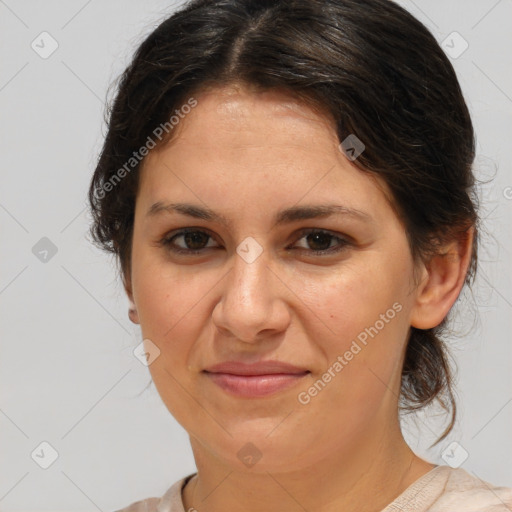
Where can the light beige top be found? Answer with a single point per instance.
(442, 489)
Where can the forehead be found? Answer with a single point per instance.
(267, 138)
(243, 115)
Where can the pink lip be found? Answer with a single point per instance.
(254, 380)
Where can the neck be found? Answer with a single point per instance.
(374, 471)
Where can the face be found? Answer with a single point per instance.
(253, 268)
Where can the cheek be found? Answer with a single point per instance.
(171, 305)
(354, 298)
(363, 358)
(362, 333)
(169, 302)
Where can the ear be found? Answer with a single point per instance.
(132, 311)
(443, 278)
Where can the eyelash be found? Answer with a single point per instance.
(167, 242)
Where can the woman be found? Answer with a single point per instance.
(287, 187)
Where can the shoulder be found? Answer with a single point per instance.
(147, 505)
(171, 501)
(464, 492)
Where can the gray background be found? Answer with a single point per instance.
(68, 375)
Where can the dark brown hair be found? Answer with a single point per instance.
(371, 65)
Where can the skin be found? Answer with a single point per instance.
(248, 155)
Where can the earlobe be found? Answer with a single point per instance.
(443, 281)
(132, 309)
(132, 313)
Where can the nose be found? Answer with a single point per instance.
(252, 305)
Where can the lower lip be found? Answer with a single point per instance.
(254, 386)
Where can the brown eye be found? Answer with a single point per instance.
(320, 242)
(194, 241)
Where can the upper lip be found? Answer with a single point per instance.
(260, 368)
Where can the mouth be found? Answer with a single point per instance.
(255, 380)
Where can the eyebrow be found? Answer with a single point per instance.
(286, 216)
